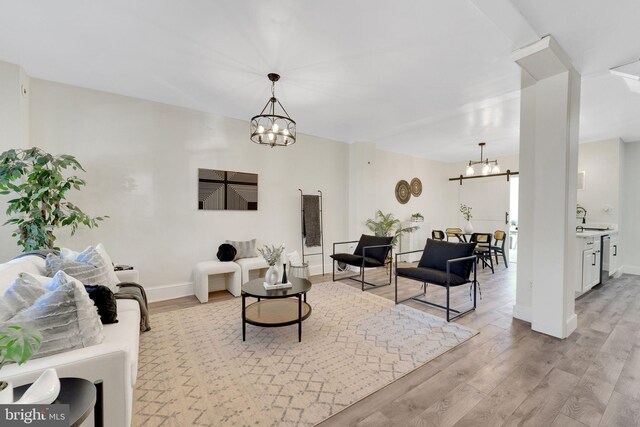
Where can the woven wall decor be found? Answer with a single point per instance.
(403, 191)
(416, 187)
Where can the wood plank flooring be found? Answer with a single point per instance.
(509, 375)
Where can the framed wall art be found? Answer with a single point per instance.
(227, 190)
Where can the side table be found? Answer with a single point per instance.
(81, 395)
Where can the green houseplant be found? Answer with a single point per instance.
(271, 255)
(17, 344)
(387, 225)
(417, 217)
(37, 185)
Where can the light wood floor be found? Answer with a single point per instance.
(508, 374)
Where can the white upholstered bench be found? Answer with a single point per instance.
(204, 269)
(247, 265)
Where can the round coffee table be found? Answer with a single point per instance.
(277, 307)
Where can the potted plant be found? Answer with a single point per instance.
(417, 217)
(37, 183)
(387, 225)
(466, 213)
(17, 344)
(272, 255)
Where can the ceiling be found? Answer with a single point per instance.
(425, 77)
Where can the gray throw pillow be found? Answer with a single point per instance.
(89, 267)
(65, 316)
(245, 249)
(20, 294)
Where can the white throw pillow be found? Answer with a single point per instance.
(65, 316)
(71, 255)
(113, 277)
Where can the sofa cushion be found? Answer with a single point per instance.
(378, 254)
(356, 260)
(430, 275)
(105, 301)
(65, 316)
(21, 294)
(436, 254)
(27, 264)
(226, 252)
(244, 249)
(89, 268)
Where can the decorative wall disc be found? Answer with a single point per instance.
(416, 187)
(403, 191)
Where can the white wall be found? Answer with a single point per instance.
(142, 158)
(630, 208)
(14, 133)
(600, 160)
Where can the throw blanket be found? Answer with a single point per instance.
(125, 290)
(311, 220)
(136, 292)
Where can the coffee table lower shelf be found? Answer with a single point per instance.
(271, 313)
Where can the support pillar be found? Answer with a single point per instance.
(549, 119)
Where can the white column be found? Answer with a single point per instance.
(549, 116)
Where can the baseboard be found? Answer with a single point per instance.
(167, 292)
(316, 270)
(571, 324)
(631, 269)
(522, 312)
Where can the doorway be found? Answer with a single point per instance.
(514, 187)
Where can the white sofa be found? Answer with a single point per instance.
(114, 361)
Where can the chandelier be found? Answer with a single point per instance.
(487, 167)
(271, 127)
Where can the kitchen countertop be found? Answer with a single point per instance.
(594, 233)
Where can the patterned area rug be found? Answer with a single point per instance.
(196, 370)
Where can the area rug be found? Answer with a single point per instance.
(194, 368)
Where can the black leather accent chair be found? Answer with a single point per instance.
(445, 264)
(372, 251)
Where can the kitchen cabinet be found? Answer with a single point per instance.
(614, 255)
(589, 253)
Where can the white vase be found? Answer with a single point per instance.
(43, 391)
(272, 275)
(468, 228)
(6, 395)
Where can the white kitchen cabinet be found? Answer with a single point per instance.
(614, 255)
(589, 251)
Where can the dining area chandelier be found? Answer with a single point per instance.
(487, 167)
(273, 126)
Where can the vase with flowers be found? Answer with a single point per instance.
(272, 256)
(466, 213)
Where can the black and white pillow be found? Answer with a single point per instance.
(245, 249)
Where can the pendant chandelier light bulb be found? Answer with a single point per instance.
(489, 167)
(281, 128)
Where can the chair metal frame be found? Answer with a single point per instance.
(362, 266)
(447, 308)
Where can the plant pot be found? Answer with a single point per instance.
(468, 227)
(6, 393)
(272, 275)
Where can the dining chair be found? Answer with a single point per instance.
(437, 235)
(454, 232)
(498, 246)
(483, 249)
